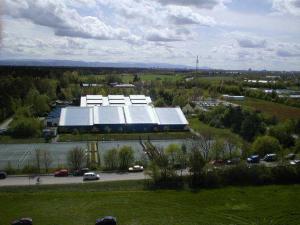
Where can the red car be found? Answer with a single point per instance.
(61, 173)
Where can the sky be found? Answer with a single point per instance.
(225, 34)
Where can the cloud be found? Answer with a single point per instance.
(287, 6)
(185, 16)
(287, 53)
(165, 35)
(65, 21)
(251, 43)
(206, 4)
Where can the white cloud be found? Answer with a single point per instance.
(184, 16)
(252, 43)
(65, 21)
(287, 6)
(207, 4)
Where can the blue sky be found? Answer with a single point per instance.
(226, 34)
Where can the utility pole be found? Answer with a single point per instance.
(197, 64)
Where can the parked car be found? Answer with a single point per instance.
(218, 162)
(23, 221)
(61, 173)
(80, 172)
(91, 176)
(253, 159)
(233, 161)
(136, 168)
(107, 220)
(270, 158)
(295, 162)
(290, 156)
(3, 175)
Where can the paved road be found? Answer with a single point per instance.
(25, 180)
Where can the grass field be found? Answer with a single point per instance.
(201, 127)
(124, 136)
(82, 204)
(4, 139)
(282, 112)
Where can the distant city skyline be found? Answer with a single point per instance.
(225, 34)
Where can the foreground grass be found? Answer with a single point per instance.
(124, 136)
(82, 204)
(282, 112)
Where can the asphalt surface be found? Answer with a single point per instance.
(50, 179)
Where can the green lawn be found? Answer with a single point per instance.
(81, 205)
(282, 112)
(4, 139)
(201, 127)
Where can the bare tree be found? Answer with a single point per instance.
(76, 158)
(47, 159)
(205, 143)
(38, 158)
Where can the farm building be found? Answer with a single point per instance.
(114, 100)
(122, 118)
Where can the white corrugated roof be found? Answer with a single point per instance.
(116, 97)
(76, 116)
(138, 101)
(136, 97)
(171, 116)
(140, 115)
(94, 97)
(109, 115)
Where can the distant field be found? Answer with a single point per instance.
(82, 204)
(282, 112)
(201, 127)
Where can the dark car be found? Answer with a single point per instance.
(23, 221)
(3, 175)
(253, 159)
(81, 172)
(107, 220)
(270, 158)
(61, 173)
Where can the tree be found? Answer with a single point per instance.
(23, 127)
(38, 158)
(126, 157)
(205, 143)
(196, 163)
(283, 135)
(265, 145)
(218, 149)
(172, 151)
(76, 158)
(47, 159)
(297, 146)
(111, 160)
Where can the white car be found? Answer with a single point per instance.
(91, 176)
(136, 168)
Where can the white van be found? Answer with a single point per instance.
(91, 176)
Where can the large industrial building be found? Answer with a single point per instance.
(117, 113)
(114, 100)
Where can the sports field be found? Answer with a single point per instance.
(133, 205)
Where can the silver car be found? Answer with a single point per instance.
(91, 176)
